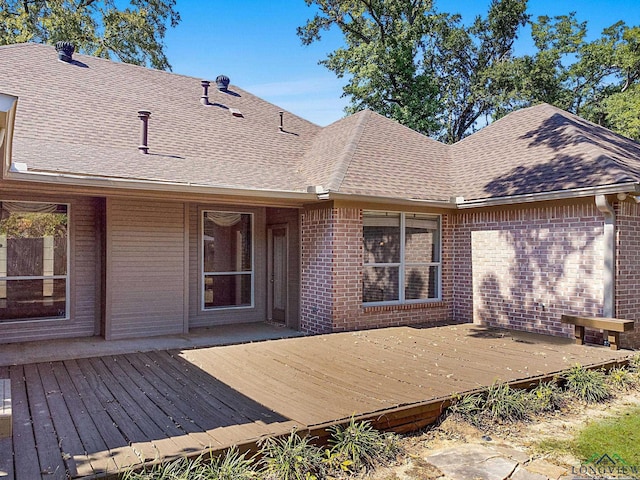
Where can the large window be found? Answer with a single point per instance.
(401, 258)
(33, 261)
(227, 259)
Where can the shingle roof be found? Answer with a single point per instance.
(367, 154)
(542, 149)
(81, 118)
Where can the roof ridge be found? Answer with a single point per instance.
(346, 156)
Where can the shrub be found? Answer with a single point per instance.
(291, 458)
(231, 466)
(359, 446)
(588, 385)
(547, 397)
(469, 408)
(622, 379)
(634, 364)
(180, 469)
(506, 404)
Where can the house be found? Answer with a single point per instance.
(138, 202)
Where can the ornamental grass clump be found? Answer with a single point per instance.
(547, 397)
(180, 469)
(503, 403)
(291, 458)
(469, 408)
(621, 378)
(590, 386)
(358, 446)
(231, 466)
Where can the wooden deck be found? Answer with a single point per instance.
(89, 417)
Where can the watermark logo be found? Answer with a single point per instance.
(604, 467)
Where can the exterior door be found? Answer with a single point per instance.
(277, 273)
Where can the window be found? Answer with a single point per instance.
(401, 258)
(227, 259)
(33, 261)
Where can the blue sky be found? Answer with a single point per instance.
(254, 43)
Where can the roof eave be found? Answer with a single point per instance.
(627, 187)
(328, 195)
(74, 180)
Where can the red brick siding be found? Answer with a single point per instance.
(316, 278)
(332, 266)
(523, 269)
(628, 268)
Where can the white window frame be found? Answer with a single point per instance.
(402, 265)
(205, 274)
(67, 277)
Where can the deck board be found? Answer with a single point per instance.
(112, 412)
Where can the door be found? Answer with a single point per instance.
(277, 273)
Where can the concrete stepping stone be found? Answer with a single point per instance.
(472, 461)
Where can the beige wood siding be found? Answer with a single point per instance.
(290, 217)
(145, 268)
(84, 274)
(206, 318)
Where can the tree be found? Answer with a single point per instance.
(429, 71)
(411, 63)
(133, 34)
(598, 80)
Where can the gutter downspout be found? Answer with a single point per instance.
(609, 255)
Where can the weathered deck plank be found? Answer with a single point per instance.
(113, 412)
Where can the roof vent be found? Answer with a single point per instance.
(222, 81)
(144, 134)
(204, 99)
(65, 51)
(281, 127)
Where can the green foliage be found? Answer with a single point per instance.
(503, 403)
(499, 403)
(614, 436)
(180, 469)
(291, 458)
(622, 378)
(588, 385)
(359, 446)
(440, 76)
(105, 28)
(547, 397)
(231, 466)
(634, 364)
(34, 225)
(469, 408)
(409, 62)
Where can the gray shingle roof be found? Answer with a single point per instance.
(542, 149)
(81, 118)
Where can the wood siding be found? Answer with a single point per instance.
(291, 218)
(145, 268)
(84, 277)
(206, 318)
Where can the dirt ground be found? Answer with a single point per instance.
(562, 425)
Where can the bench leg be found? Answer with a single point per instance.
(613, 338)
(579, 334)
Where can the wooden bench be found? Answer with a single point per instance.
(612, 328)
(5, 408)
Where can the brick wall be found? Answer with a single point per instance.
(316, 278)
(628, 268)
(523, 269)
(332, 265)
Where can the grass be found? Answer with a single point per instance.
(616, 435)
